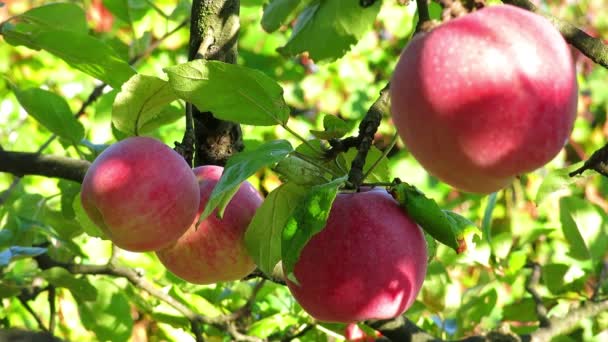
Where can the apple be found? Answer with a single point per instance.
(100, 16)
(215, 250)
(141, 193)
(368, 262)
(485, 97)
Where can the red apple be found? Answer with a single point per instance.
(368, 262)
(215, 250)
(485, 97)
(100, 16)
(141, 193)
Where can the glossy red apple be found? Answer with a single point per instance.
(141, 193)
(368, 262)
(215, 250)
(485, 97)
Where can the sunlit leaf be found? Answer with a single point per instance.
(263, 236)
(51, 111)
(240, 167)
(231, 92)
(140, 106)
(327, 29)
(308, 218)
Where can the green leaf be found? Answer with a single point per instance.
(585, 226)
(69, 191)
(277, 12)
(58, 16)
(196, 302)
(140, 106)
(109, 316)
(263, 236)
(309, 218)
(66, 228)
(554, 181)
(51, 111)
(334, 128)
(521, 311)
(231, 92)
(85, 222)
(568, 208)
(17, 252)
(127, 11)
(327, 29)
(299, 171)
(486, 223)
(462, 227)
(80, 287)
(80, 50)
(240, 167)
(428, 215)
(553, 276)
(272, 324)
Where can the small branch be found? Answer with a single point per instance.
(29, 309)
(597, 162)
(385, 153)
(24, 163)
(400, 329)
(562, 325)
(136, 279)
(367, 130)
(298, 333)
(594, 48)
(423, 14)
(52, 308)
(531, 284)
(257, 273)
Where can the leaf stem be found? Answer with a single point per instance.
(314, 162)
(385, 153)
(301, 138)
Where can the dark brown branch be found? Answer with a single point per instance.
(531, 284)
(29, 309)
(367, 130)
(24, 163)
(52, 309)
(423, 14)
(594, 48)
(401, 329)
(597, 162)
(214, 31)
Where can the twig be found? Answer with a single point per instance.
(423, 14)
(367, 130)
(531, 284)
(300, 332)
(597, 162)
(136, 279)
(561, 325)
(29, 309)
(52, 309)
(594, 48)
